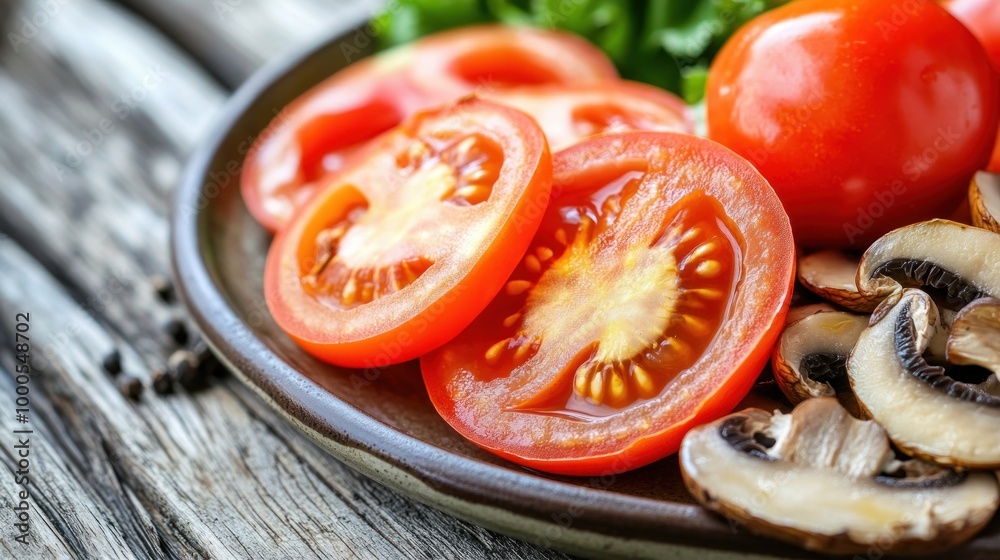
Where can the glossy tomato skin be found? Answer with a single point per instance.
(320, 132)
(467, 247)
(568, 114)
(499, 408)
(982, 17)
(862, 116)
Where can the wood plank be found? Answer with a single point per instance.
(212, 474)
(232, 38)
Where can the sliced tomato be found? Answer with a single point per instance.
(402, 250)
(486, 58)
(646, 304)
(320, 131)
(570, 114)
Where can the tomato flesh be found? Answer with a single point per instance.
(408, 244)
(484, 59)
(648, 301)
(862, 120)
(321, 131)
(570, 114)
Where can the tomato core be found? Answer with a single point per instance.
(657, 304)
(373, 249)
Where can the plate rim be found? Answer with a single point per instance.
(609, 516)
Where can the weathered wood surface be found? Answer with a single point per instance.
(232, 38)
(98, 111)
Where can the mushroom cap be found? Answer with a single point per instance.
(802, 311)
(984, 201)
(818, 485)
(975, 336)
(832, 275)
(960, 262)
(823, 340)
(922, 419)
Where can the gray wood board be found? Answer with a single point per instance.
(99, 110)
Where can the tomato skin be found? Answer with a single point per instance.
(402, 326)
(982, 17)
(570, 114)
(320, 132)
(861, 118)
(485, 410)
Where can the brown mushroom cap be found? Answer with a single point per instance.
(953, 262)
(923, 409)
(803, 311)
(819, 478)
(984, 201)
(832, 275)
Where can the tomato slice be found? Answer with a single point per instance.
(489, 57)
(570, 114)
(320, 131)
(402, 250)
(646, 304)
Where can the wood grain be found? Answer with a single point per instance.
(232, 38)
(98, 112)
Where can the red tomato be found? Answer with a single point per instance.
(864, 115)
(318, 133)
(486, 58)
(646, 304)
(401, 251)
(982, 17)
(570, 114)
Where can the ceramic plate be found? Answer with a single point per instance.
(382, 423)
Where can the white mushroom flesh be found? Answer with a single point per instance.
(984, 201)
(819, 488)
(920, 418)
(827, 336)
(975, 336)
(966, 257)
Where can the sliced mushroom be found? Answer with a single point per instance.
(832, 275)
(802, 311)
(926, 411)
(984, 201)
(819, 478)
(955, 263)
(810, 359)
(975, 337)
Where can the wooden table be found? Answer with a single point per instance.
(100, 103)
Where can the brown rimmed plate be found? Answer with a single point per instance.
(381, 422)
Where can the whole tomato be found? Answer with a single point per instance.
(982, 17)
(864, 115)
